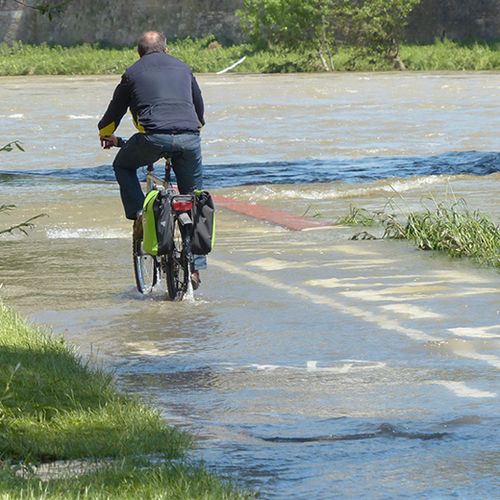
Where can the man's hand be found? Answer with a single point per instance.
(109, 141)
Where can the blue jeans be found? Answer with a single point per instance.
(143, 149)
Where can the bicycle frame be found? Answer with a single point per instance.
(154, 182)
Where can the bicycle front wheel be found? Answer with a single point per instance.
(178, 263)
(145, 268)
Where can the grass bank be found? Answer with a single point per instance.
(54, 407)
(207, 55)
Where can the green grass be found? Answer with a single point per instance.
(448, 226)
(453, 56)
(207, 55)
(55, 407)
(203, 56)
(45, 59)
(124, 480)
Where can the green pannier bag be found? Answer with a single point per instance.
(203, 232)
(157, 224)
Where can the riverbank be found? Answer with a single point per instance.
(207, 55)
(54, 407)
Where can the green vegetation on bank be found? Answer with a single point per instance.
(55, 407)
(207, 55)
(448, 226)
(373, 28)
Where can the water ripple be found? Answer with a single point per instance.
(307, 171)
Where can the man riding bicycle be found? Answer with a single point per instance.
(168, 110)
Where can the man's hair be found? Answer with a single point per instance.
(150, 42)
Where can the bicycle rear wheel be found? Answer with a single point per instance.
(178, 263)
(145, 268)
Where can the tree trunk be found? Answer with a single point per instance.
(396, 56)
(323, 60)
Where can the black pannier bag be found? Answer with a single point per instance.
(203, 235)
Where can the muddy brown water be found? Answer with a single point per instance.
(308, 365)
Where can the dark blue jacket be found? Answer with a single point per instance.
(162, 94)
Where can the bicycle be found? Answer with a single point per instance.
(177, 265)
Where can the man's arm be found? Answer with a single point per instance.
(116, 109)
(198, 101)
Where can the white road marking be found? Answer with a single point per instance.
(344, 366)
(149, 349)
(471, 354)
(384, 322)
(411, 311)
(463, 390)
(482, 332)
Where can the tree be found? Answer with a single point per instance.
(292, 24)
(377, 26)
(371, 26)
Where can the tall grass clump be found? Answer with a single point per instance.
(447, 226)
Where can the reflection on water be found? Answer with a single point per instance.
(308, 365)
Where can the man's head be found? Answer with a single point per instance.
(152, 41)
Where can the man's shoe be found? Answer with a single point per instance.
(138, 233)
(195, 280)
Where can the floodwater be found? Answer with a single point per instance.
(310, 366)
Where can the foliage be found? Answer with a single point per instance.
(443, 55)
(23, 226)
(45, 59)
(295, 24)
(360, 216)
(448, 226)
(27, 224)
(48, 9)
(374, 27)
(208, 55)
(452, 228)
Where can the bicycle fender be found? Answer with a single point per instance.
(185, 219)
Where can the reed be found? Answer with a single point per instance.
(448, 226)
